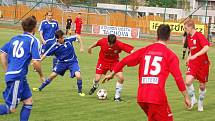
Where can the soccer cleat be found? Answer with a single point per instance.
(118, 99)
(92, 90)
(81, 94)
(36, 89)
(200, 105)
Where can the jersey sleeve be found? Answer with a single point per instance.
(126, 47)
(35, 50)
(41, 27)
(4, 49)
(176, 72)
(99, 42)
(51, 50)
(57, 28)
(203, 41)
(131, 60)
(71, 39)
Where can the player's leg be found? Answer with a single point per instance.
(48, 81)
(8, 96)
(184, 52)
(79, 83)
(190, 89)
(95, 84)
(202, 92)
(26, 109)
(100, 70)
(202, 76)
(119, 86)
(26, 98)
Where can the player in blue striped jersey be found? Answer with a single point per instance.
(47, 30)
(16, 56)
(64, 51)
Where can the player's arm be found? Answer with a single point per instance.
(81, 43)
(201, 52)
(41, 33)
(126, 47)
(4, 60)
(176, 72)
(131, 60)
(92, 46)
(37, 66)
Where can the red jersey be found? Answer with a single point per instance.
(195, 44)
(155, 61)
(109, 53)
(78, 22)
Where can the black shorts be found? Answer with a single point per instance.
(68, 27)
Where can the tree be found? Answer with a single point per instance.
(161, 3)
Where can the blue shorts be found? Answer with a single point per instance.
(46, 46)
(15, 92)
(61, 68)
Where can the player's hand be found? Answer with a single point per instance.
(187, 103)
(90, 50)
(43, 42)
(107, 78)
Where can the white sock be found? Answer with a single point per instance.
(118, 89)
(190, 90)
(202, 94)
(96, 84)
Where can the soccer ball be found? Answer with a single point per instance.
(102, 94)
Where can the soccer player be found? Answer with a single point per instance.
(155, 61)
(108, 58)
(67, 60)
(78, 24)
(68, 25)
(185, 45)
(197, 62)
(15, 57)
(47, 30)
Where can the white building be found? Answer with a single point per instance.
(170, 12)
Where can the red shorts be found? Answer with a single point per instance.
(157, 112)
(200, 71)
(104, 67)
(78, 30)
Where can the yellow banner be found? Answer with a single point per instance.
(175, 27)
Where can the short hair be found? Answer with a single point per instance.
(49, 12)
(29, 24)
(190, 23)
(59, 34)
(79, 13)
(163, 32)
(111, 38)
(34, 17)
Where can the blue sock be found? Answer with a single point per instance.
(79, 84)
(4, 109)
(44, 84)
(25, 112)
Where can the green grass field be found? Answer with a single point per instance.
(60, 102)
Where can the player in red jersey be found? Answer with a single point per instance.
(78, 24)
(155, 61)
(108, 58)
(197, 62)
